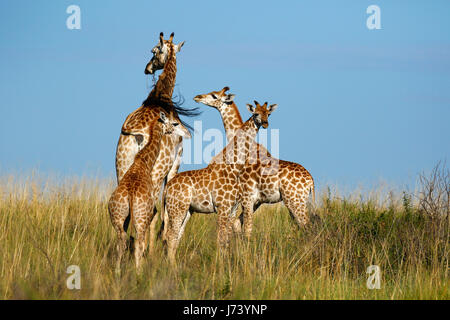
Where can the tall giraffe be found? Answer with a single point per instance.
(133, 196)
(214, 188)
(135, 135)
(262, 181)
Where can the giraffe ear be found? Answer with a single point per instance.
(229, 98)
(161, 39)
(272, 108)
(178, 46)
(250, 108)
(162, 117)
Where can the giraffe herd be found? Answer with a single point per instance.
(149, 154)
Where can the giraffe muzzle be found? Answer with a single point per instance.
(149, 69)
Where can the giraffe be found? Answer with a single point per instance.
(266, 180)
(135, 135)
(132, 197)
(211, 189)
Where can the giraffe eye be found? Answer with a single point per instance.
(213, 95)
(175, 124)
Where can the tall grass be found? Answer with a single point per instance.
(48, 225)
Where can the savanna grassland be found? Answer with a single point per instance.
(47, 225)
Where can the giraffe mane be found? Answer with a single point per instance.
(174, 105)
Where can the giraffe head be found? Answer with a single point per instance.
(170, 124)
(161, 53)
(167, 123)
(261, 113)
(216, 99)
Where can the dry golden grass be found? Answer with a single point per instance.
(47, 225)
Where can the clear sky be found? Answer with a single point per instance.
(355, 105)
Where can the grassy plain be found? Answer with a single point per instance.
(47, 225)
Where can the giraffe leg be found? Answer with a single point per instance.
(121, 247)
(174, 234)
(248, 192)
(225, 221)
(152, 232)
(238, 222)
(139, 246)
(248, 218)
(118, 213)
(249, 211)
(177, 201)
(249, 199)
(142, 215)
(297, 209)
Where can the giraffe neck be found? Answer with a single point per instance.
(232, 122)
(231, 119)
(148, 155)
(238, 149)
(163, 89)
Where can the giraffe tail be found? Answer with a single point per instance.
(131, 211)
(130, 224)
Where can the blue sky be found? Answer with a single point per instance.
(355, 105)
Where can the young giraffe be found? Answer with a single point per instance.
(135, 130)
(263, 181)
(214, 188)
(133, 195)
